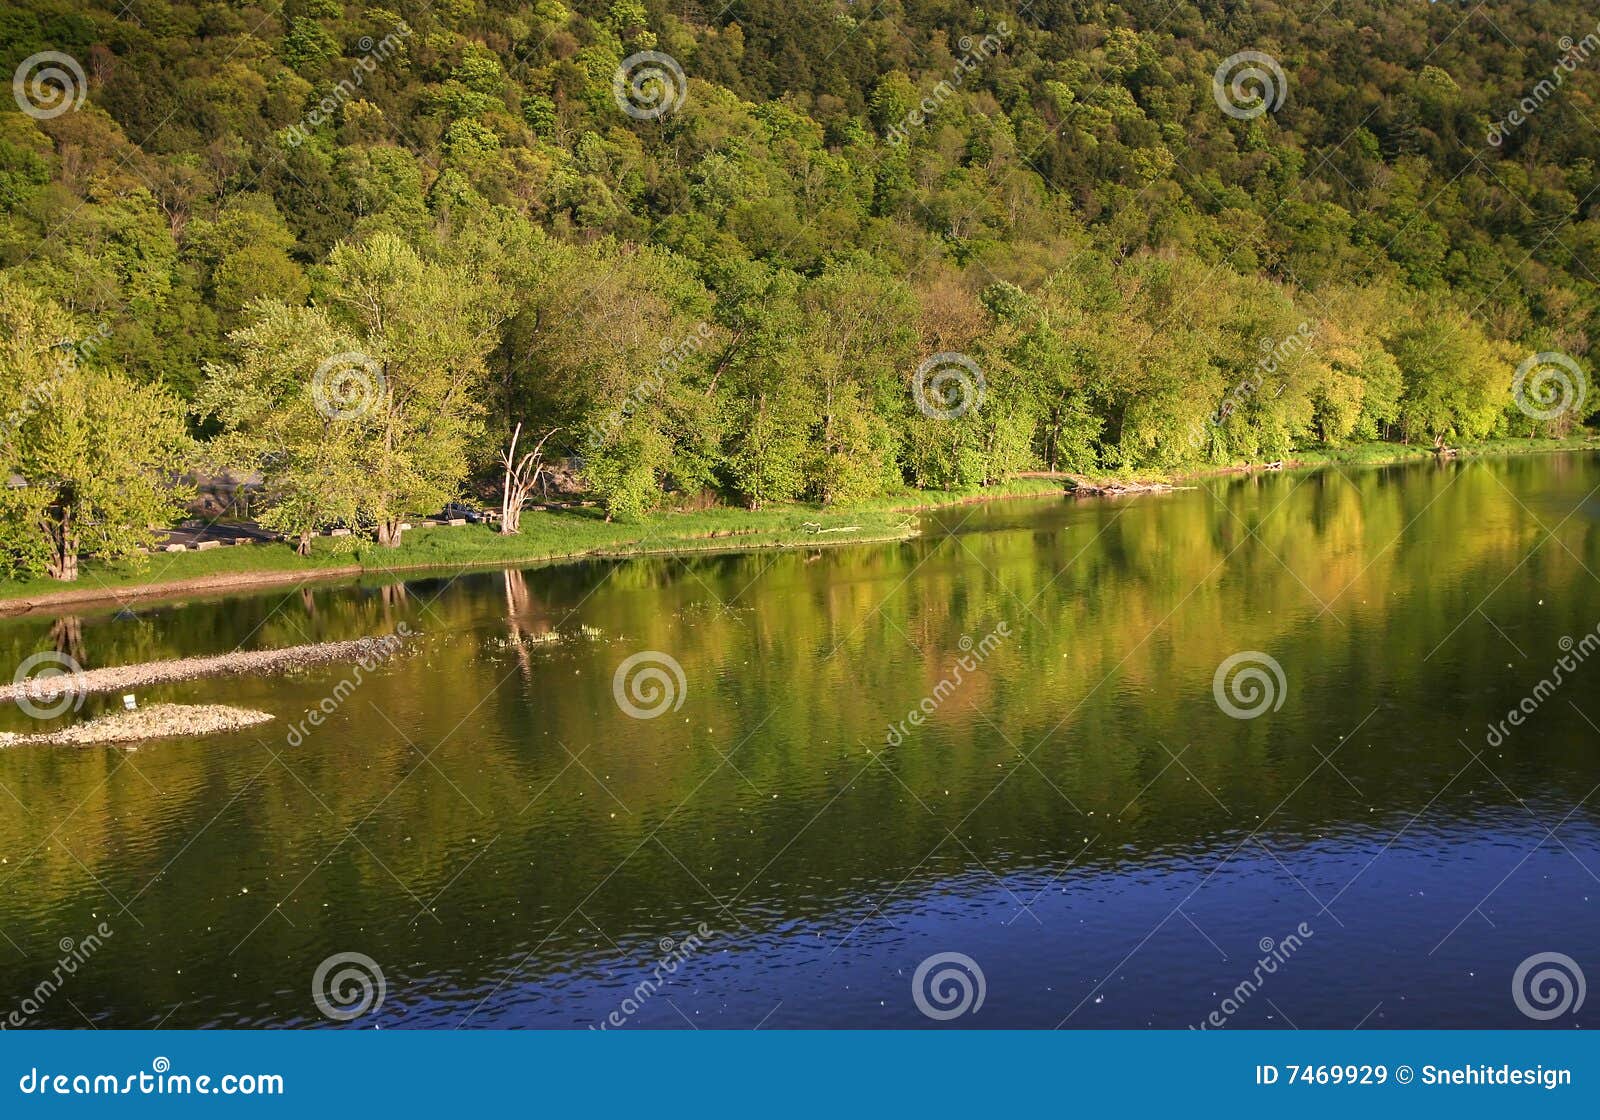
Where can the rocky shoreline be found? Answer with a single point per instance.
(159, 721)
(122, 678)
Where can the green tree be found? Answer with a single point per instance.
(245, 255)
(1455, 377)
(769, 394)
(393, 366)
(88, 457)
(858, 339)
(311, 457)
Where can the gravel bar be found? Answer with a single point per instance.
(159, 721)
(125, 677)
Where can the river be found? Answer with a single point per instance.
(1236, 755)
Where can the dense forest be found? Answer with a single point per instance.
(771, 250)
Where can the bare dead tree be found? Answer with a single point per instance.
(522, 475)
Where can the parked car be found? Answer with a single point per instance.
(457, 511)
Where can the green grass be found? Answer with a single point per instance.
(569, 534)
(1373, 454)
(545, 536)
(585, 532)
(1380, 453)
(170, 567)
(934, 499)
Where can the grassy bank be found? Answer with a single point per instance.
(567, 534)
(582, 533)
(1375, 454)
(1378, 454)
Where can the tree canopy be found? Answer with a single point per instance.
(808, 249)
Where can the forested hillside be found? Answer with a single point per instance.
(799, 248)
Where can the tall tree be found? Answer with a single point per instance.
(368, 408)
(89, 459)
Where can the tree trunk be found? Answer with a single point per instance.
(63, 563)
(389, 533)
(64, 566)
(302, 546)
(510, 512)
(521, 476)
(67, 634)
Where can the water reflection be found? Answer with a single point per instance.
(481, 818)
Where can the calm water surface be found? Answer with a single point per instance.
(1077, 814)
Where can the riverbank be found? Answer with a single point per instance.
(547, 536)
(581, 534)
